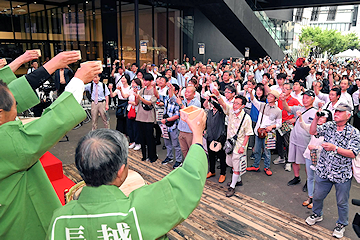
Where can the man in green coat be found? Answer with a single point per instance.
(104, 212)
(27, 199)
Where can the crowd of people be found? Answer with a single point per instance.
(306, 111)
(303, 110)
(28, 200)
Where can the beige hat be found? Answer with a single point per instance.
(275, 93)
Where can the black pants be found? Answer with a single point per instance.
(281, 143)
(212, 160)
(147, 139)
(121, 125)
(157, 132)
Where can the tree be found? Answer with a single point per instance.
(330, 41)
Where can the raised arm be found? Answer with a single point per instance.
(28, 56)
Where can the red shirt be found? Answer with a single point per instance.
(291, 102)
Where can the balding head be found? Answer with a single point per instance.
(99, 156)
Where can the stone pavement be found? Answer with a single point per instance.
(261, 195)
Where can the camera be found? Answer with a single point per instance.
(321, 114)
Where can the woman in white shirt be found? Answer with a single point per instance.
(121, 110)
(132, 124)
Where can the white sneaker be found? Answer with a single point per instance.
(132, 145)
(311, 220)
(339, 230)
(288, 167)
(137, 147)
(279, 160)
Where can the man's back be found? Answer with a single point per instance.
(148, 213)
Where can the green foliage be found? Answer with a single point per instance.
(330, 41)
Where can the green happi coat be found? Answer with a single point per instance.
(27, 198)
(148, 213)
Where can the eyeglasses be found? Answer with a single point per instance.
(228, 92)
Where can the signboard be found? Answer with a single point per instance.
(201, 48)
(247, 52)
(143, 46)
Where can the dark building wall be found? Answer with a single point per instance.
(217, 46)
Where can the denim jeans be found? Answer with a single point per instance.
(322, 189)
(310, 177)
(260, 144)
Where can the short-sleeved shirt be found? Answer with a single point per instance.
(234, 123)
(298, 135)
(291, 101)
(101, 96)
(332, 165)
(124, 90)
(183, 126)
(171, 109)
(272, 115)
(144, 115)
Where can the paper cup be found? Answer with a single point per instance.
(3, 60)
(191, 111)
(38, 51)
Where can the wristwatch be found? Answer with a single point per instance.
(336, 149)
(166, 120)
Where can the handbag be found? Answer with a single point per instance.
(216, 145)
(230, 143)
(132, 113)
(262, 131)
(121, 110)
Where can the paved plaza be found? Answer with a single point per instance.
(272, 191)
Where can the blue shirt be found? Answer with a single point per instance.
(181, 80)
(183, 126)
(131, 74)
(172, 109)
(100, 85)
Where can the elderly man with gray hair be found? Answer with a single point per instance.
(102, 210)
(341, 145)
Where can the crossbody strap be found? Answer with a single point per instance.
(262, 115)
(235, 136)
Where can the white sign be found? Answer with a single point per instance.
(201, 48)
(143, 46)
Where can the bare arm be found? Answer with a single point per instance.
(313, 125)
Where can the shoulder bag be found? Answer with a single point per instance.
(262, 131)
(231, 142)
